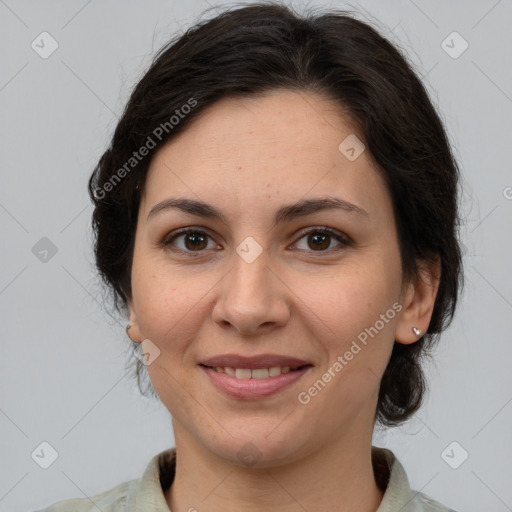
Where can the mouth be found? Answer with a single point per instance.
(253, 377)
(255, 373)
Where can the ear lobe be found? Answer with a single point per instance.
(133, 329)
(419, 303)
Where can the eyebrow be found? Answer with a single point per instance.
(284, 214)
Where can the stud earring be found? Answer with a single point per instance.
(416, 331)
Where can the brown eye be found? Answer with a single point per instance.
(191, 240)
(195, 241)
(320, 240)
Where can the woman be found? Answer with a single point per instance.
(276, 217)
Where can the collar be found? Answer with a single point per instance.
(147, 493)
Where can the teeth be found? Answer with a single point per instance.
(274, 371)
(260, 373)
(243, 373)
(256, 373)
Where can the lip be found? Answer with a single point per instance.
(252, 389)
(259, 361)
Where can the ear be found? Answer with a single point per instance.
(418, 302)
(134, 331)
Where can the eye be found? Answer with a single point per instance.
(193, 240)
(319, 239)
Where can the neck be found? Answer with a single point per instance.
(340, 474)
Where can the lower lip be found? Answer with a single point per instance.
(253, 388)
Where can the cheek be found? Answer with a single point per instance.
(349, 300)
(169, 312)
(162, 299)
(358, 318)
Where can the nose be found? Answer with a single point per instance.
(252, 299)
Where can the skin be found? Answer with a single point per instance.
(248, 157)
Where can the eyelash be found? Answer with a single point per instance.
(344, 240)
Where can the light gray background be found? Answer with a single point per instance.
(62, 365)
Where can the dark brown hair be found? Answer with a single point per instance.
(248, 50)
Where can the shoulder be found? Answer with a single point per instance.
(423, 503)
(112, 500)
(137, 495)
(398, 495)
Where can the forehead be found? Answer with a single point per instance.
(282, 144)
(274, 119)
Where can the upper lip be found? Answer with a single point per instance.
(259, 361)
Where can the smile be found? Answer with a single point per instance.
(254, 373)
(250, 377)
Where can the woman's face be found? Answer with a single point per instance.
(266, 281)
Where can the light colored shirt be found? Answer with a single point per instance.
(146, 494)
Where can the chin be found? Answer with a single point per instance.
(259, 450)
